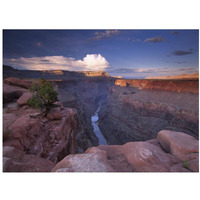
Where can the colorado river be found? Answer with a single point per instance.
(97, 131)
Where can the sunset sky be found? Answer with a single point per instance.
(127, 53)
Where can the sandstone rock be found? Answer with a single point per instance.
(6, 163)
(18, 161)
(34, 115)
(94, 160)
(11, 92)
(181, 145)
(146, 157)
(52, 140)
(54, 113)
(58, 103)
(178, 168)
(169, 85)
(12, 107)
(24, 98)
(22, 129)
(18, 82)
(193, 165)
(8, 118)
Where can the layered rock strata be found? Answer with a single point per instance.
(132, 114)
(84, 95)
(191, 86)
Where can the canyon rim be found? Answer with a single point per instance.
(107, 117)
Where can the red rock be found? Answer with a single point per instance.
(181, 145)
(145, 157)
(18, 82)
(179, 168)
(93, 160)
(54, 113)
(8, 118)
(18, 161)
(24, 98)
(58, 103)
(11, 92)
(169, 85)
(21, 129)
(12, 107)
(193, 165)
(48, 139)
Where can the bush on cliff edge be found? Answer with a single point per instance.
(44, 95)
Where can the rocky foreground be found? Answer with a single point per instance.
(32, 143)
(170, 152)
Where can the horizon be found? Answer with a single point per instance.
(127, 53)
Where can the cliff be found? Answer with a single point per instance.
(132, 114)
(94, 73)
(168, 85)
(183, 76)
(50, 138)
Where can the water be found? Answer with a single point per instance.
(97, 131)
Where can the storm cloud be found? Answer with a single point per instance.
(182, 53)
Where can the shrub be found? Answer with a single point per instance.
(44, 95)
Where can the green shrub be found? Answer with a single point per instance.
(44, 95)
(35, 102)
(186, 164)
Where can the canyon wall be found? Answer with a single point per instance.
(84, 95)
(139, 109)
(191, 86)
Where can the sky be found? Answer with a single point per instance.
(126, 53)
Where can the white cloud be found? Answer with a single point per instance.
(105, 34)
(93, 62)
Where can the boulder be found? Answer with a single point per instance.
(145, 157)
(12, 107)
(24, 98)
(181, 145)
(93, 160)
(8, 118)
(15, 160)
(18, 82)
(11, 92)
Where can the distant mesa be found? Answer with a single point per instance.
(56, 72)
(95, 73)
(182, 76)
(117, 76)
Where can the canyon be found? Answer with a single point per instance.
(140, 120)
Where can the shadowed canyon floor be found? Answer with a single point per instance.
(150, 125)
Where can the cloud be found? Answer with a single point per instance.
(135, 40)
(94, 62)
(105, 34)
(155, 39)
(175, 32)
(182, 53)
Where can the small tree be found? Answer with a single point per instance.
(44, 95)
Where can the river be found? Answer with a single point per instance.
(97, 131)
